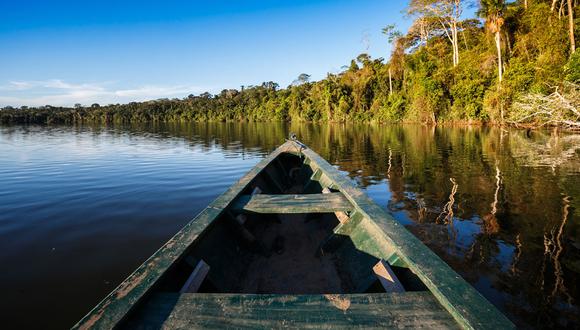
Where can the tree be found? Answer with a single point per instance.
(270, 85)
(363, 59)
(570, 6)
(302, 79)
(353, 66)
(393, 35)
(571, 27)
(445, 12)
(492, 11)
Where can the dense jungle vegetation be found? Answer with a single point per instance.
(513, 63)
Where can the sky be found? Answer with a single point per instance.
(101, 51)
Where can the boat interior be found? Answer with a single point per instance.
(253, 249)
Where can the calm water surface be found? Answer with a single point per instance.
(82, 207)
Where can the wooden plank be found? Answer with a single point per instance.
(342, 216)
(196, 278)
(387, 277)
(285, 204)
(468, 307)
(269, 311)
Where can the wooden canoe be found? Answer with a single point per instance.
(294, 244)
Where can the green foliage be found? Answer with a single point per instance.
(391, 108)
(572, 68)
(418, 83)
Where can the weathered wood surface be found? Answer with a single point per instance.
(113, 308)
(392, 310)
(341, 216)
(383, 234)
(387, 277)
(469, 308)
(196, 278)
(285, 204)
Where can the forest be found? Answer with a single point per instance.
(513, 63)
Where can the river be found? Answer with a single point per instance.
(82, 206)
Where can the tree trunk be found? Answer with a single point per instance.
(499, 61)
(526, 4)
(499, 67)
(508, 44)
(455, 44)
(571, 27)
(390, 82)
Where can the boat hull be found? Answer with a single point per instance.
(295, 240)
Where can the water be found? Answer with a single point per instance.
(82, 207)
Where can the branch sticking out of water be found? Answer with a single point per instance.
(446, 216)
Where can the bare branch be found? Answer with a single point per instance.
(559, 108)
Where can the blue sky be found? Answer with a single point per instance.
(67, 52)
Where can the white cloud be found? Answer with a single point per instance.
(60, 93)
(16, 86)
(154, 90)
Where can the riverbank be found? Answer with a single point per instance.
(71, 117)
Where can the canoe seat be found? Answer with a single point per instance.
(203, 310)
(306, 203)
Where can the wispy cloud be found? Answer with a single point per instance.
(155, 90)
(16, 86)
(58, 92)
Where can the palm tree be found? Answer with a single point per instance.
(492, 11)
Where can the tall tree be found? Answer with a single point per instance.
(570, 7)
(392, 36)
(302, 79)
(492, 11)
(446, 12)
(571, 27)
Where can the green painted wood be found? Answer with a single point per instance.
(285, 204)
(378, 234)
(325, 181)
(393, 310)
(394, 260)
(469, 308)
(113, 308)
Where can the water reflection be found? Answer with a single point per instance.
(500, 206)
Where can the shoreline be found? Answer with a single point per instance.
(446, 123)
